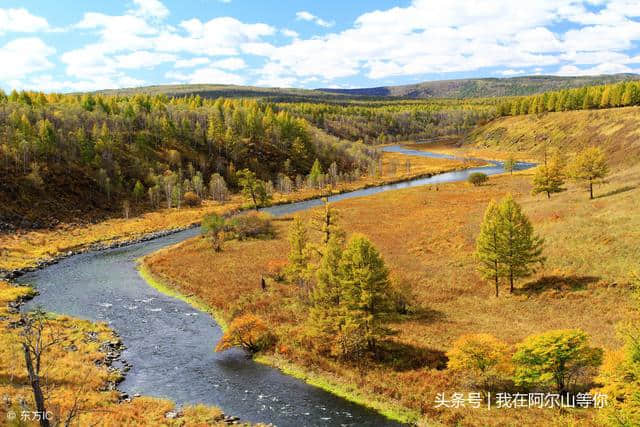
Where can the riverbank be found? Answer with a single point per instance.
(333, 385)
(25, 251)
(80, 374)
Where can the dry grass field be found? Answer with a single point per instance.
(427, 237)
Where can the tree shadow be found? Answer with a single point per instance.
(558, 283)
(617, 191)
(405, 357)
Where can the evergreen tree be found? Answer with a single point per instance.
(589, 166)
(315, 173)
(138, 191)
(519, 248)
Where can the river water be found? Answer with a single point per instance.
(170, 343)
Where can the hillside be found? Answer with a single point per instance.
(615, 130)
(485, 87)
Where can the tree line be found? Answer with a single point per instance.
(623, 94)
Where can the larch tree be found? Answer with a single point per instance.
(488, 246)
(365, 284)
(590, 166)
(253, 188)
(519, 248)
(549, 177)
(510, 164)
(298, 267)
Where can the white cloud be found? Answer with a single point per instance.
(143, 59)
(234, 63)
(21, 21)
(150, 9)
(190, 63)
(511, 72)
(605, 68)
(303, 15)
(24, 56)
(290, 33)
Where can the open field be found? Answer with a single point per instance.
(24, 249)
(427, 236)
(75, 373)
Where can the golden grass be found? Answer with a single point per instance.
(615, 130)
(25, 249)
(74, 368)
(428, 237)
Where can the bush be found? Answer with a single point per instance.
(191, 199)
(481, 359)
(250, 226)
(556, 359)
(477, 178)
(249, 332)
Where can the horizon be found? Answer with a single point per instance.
(68, 47)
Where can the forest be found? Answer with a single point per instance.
(58, 150)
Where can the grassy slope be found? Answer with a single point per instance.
(615, 130)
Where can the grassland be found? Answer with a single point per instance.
(25, 249)
(76, 373)
(427, 237)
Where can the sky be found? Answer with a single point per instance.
(82, 45)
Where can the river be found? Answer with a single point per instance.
(170, 343)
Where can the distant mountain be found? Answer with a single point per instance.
(483, 87)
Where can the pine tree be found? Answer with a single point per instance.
(315, 173)
(138, 191)
(589, 166)
(488, 246)
(364, 280)
(519, 248)
(325, 221)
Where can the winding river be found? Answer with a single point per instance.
(170, 343)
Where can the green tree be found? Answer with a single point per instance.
(213, 226)
(315, 173)
(325, 221)
(298, 267)
(488, 246)
(520, 249)
(253, 188)
(548, 179)
(138, 191)
(364, 280)
(589, 166)
(510, 164)
(555, 359)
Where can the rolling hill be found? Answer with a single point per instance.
(484, 87)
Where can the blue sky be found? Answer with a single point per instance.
(66, 45)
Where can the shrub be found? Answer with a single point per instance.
(251, 225)
(477, 178)
(213, 226)
(555, 359)
(481, 359)
(249, 332)
(191, 199)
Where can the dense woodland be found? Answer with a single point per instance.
(383, 122)
(623, 94)
(96, 150)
